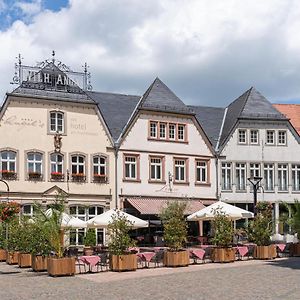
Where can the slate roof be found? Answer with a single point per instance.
(159, 97)
(291, 111)
(210, 119)
(250, 105)
(116, 109)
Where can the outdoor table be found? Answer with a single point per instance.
(199, 253)
(281, 247)
(242, 250)
(146, 257)
(91, 261)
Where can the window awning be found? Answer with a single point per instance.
(153, 206)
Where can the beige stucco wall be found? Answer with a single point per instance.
(137, 142)
(24, 126)
(261, 153)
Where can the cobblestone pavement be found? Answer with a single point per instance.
(279, 279)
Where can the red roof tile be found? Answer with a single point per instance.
(153, 206)
(291, 111)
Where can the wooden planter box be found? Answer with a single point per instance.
(61, 266)
(126, 262)
(223, 255)
(3, 255)
(39, 263)
(265, 252)
(295, 249)
(12, 258)
(176, 259)
(24, 260)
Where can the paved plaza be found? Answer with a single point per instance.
(278, 279)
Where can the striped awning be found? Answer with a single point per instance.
(154, 206)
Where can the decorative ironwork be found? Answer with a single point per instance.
(57, 142)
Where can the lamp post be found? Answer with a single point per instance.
(255, 183)
(7, 187)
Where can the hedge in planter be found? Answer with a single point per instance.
(260, 230)
(3, 244)
(223, 234)
(119, 242)
(175, 232)
(13, 243)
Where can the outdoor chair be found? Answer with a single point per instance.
(158, 258)
(103, 262)
(286, 251)
(79, 263)
(251, 249)
(207, 255)
(72, 251)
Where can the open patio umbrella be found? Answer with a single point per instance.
(207, 213)
(102, 221)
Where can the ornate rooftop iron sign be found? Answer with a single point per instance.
(52, 75)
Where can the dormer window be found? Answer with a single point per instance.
(153, 129)
(270, 139)
(242, 136)
(165, 131)
(281, 137)
(254, 137)
(56, 122)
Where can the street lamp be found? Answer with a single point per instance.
(255, 183)
(7, 187)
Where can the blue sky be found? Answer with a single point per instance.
(11, 10)
(207, 52)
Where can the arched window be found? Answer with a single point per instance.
(78, 167)
(8, 165)
(99, 168)
(56, 122)
(34, 165)
(56, 166)
(85, 213)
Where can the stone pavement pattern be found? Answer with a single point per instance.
(279, 279)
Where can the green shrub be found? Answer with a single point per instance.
(90, 238)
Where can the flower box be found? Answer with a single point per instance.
(78, 177)
(295, 249)
(176, 258)
(57, 176)
(39, 263)
(24, 260)
(3, 255)
(223, 255)
(34, 176)
(126, 262)
(100, 178)
(9, 175)
(12, 257)
(265, 252)
(61, 266)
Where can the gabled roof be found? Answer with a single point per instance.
(210, 119)
(250, 105)
(291, 111)
(159, 97)
(115, 109)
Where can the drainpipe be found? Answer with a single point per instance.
(116, 148)
(217, 177)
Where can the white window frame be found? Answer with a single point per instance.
(163, 130)
(180, 164)
(132, 163)
(267, 137)
(35, 162)
(55, 164)
(56, 124)
(153, 129)
(9, 161)
(201, 171)
(254, 141)
(226, 179)
(172, 131)
(244, 132)
(181, 132)
(156, 165)
(282, 142)
(295, 177)
(282, 172)
(268, 179)
(240, 176)
(98, 166)
(78, 165)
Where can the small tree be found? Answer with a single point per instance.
(260, 229)
(223, 229)
(175, 225)
(90, 238)
(119, 239)
(3, 242)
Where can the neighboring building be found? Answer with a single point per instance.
(292, 112)
(54, 140)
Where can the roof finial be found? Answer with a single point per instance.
(53, 56)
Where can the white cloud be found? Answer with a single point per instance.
(204, 50)
(29, 9)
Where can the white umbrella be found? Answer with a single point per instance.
(208, 213)
(102, 221)
(68, 221)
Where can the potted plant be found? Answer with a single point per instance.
(260, 230)
(119, 242)
(8, 175)
(78, 177)
(175, 234)
(13, 243)
(25, 244)
(57, 176)
(34, 175)
(222, 228)
(100, 178)
(89, 242)
(57, 265)
(2, 242)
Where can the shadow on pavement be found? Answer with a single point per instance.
(291, 263)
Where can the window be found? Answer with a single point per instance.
(99, 168)
(8, 165)
(201, 172)
(172, 131)
(56, 166)
(254, 172)
(226, 176)
(270, 137)
(156, 169)
(240, 175)
(153, 129)
(282, 177)
(242, 136)
(254, 137)
(162, 130)
(27, 210)
(34, 165)
(281, 137)
(78, 167)
(180, 170)
(84, 214)
(269, 177)
(296, 177)
(131, 167)
(56, 122)
(181, 131)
